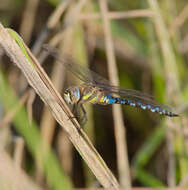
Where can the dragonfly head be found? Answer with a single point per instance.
(72, 95)
(67, 96)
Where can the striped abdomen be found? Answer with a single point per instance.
(92, 94)
(144, 106)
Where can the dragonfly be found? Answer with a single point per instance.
(97, 90)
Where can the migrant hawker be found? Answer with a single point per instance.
(97, 90)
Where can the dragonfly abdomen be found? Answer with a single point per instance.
(152, 108)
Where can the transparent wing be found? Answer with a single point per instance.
(133, 95)
(92, 78)
(79, 71)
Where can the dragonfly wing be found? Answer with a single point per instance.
(92, 78)
(81, 72)
(85, 74)
(88, 76)
(124, 92)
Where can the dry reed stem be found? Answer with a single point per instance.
(51, 24)
(19, 152)
(119, 128)
(28, 17)
(118, 15)
(57, 13)
(12, 177)
(29, 104)
(179, 20)
(38, 79)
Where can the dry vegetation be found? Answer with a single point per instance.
(137, 44)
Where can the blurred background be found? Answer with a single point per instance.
(140, 44)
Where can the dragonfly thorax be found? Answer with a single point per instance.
(84, 93)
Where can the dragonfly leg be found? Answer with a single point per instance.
(84, 117)
(74, 110)
(78, 115)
